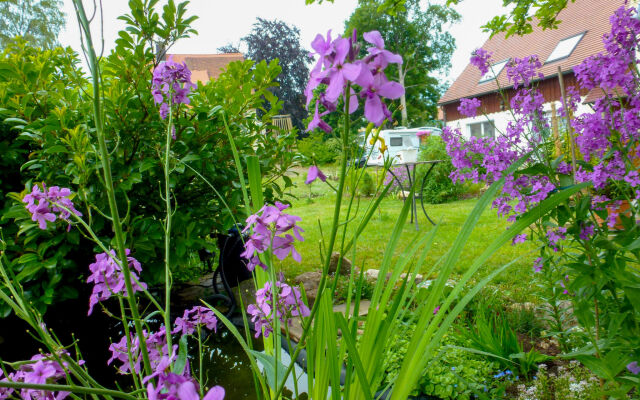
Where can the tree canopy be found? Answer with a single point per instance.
(38, 21)
(416, 33)
(518, 21)
(270, 40)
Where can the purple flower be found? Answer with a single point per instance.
(481, 59)
(554, 236)
(171, 83)
(435, 310)
(376, 40)
(108, 278)
(317, 122)
(270, 229)
(46, 206)
(519, 239)
(586, 231)
(374, 87)
(469, 107)
(289, 304)
(633, 367)
(563, 168)
(198, 315)
(172, 386)
(538, 264)
(313, 174)
(521, 72)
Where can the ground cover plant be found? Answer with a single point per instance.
(409, 336)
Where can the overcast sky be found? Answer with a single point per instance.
(221, 22)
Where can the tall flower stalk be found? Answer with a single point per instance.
(108, 180)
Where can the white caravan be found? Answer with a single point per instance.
(402, 144)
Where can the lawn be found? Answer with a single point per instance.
(315, 206)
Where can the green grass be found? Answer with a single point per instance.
(315, 206)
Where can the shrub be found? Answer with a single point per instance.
(314, 148)
(438, 188)
(47, 138)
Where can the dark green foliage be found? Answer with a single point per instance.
(453, 374)
(493, 333)
(37, 21)
(47, 132)
(438, 188)
(315, 149)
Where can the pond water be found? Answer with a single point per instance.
(225, 363)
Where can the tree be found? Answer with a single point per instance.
(228, 48)
(417, 35)
(37, 21)
(270, 40)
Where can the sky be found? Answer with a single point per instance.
(223, 21)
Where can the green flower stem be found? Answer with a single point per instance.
(167, 230)
(106, 167)
(68, 388)
(332, 238)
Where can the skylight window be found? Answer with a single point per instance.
(564, 48)
(493, 71)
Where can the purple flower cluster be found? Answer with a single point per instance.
(337, 66)
(521, 71)
(171, 83)
(198, 315)
(270, 229)
(46, 205)
(556, 235)
(538, 264)
(287, 303)
(173, 386)
(108, 278)
(156, 345)
(469, 107)
(612, 72)
(481, 59)
(42, 370)
(633, 367)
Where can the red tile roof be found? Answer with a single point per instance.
(590, 16)
(206, 66)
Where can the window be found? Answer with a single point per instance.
(395, 141)
(482, 129)
(494, 71)
(564, 48)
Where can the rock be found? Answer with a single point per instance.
(345, 266)
(371, 275)
(310, 281)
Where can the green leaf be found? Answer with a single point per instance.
(272, 368)
(181, 361)
(58, 148)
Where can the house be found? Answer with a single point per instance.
(205, 67)
(578, 36)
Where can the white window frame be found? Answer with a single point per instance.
(560, 53)
(482, 128)
(494, 71)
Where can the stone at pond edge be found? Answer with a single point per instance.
(345, 266)
(310, 281)
(371, 275)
